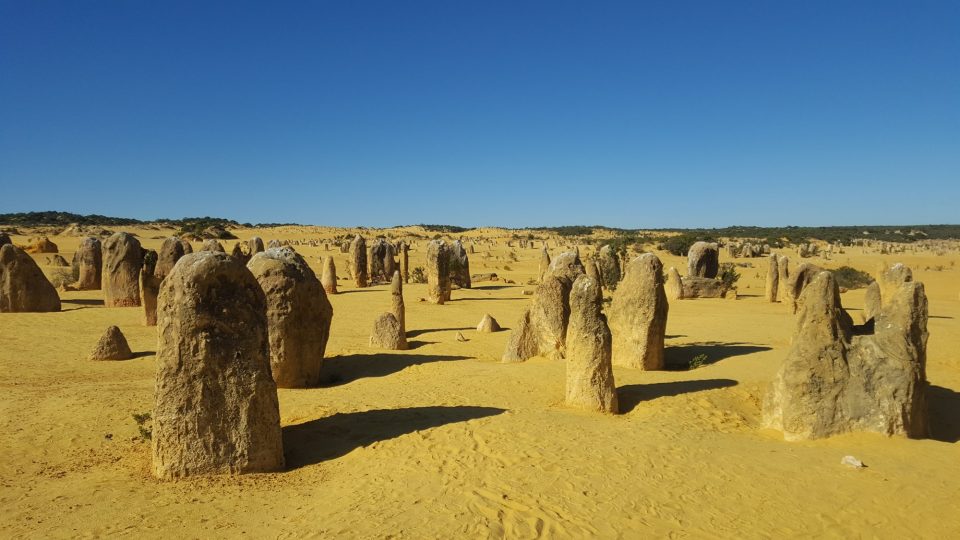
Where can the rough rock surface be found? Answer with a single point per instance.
(783, 269)
(5, 239)
(396, 302)
(889, 278)
(567, 267)
(609, 267)
(638, 315)
(255, 245)
(544, 263)
(872, 301)
(212, 245)
(839, 378)
(703, 260)
(459, 266)
(23, 287)
(89, 257)
(387, 333)
(700, 287)
(216, 409)
(438, 272)
(376, 256)
(405, 262)
(772, 283)
(590, 383)
(358, 261)
(122, 259)
(328, 277)
(674, 285)
(800, 278)
(488, 324)
(170, 252)
(149, 290)
(298, 316)
(41, 245)
(111, 346)
(522, 343)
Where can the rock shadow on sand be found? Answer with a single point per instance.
(334, 436)
(348, 368)
(632, 395)
(678, 357)
(944, 414)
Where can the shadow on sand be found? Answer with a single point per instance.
(492, 287)
(632, 395)
(328, 438)
(344, 369)
(415, 333)
(944, 414)
(678, 357)
(82, 301)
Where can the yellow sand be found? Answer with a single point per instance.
(442, 441)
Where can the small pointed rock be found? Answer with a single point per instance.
(488, 324)
(112, 346)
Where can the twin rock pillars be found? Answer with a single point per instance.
(565, 320)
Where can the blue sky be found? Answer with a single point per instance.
(630, 114)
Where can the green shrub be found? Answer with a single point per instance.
(697, 361)
(728, 275)
(144, 424)
(418, 275)
(851, 278)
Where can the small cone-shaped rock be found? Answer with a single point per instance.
(329, 276)
(149, 289)
(838, 378)
(544, 263)
(212, 245)
(703, 260)
(438, 273)
(590, 382)
(170, 252)
(23, 286)
(638, 315)
(298, 316)
(239, 254)
(396, 301)
(89, 259)
(488, 324)
(216, 409)
(112, 346)
(674, 285)
(122, 260)
(609, 267)
(772, 283)
(387, 333)
(358, 261)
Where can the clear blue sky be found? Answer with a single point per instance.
(630, 114)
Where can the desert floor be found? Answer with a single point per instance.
(444, 441)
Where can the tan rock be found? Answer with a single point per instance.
(111, 346)
(674, 285)
(590, 383)
(609, 265)
(212, 245)
(544, 263)
(703, 260)
(839, 378)
(438, 273)
(358, 261)
(799, 279)
(89, 259)
(638, 315)
(522, 343)
(122, 260)
(329, 276)
(170, 252)
(772, 283)
(298, 316)
(23, 286)
(387, 333)
(488, 324)
(396, 301)
(216, 409)
(149, 290)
